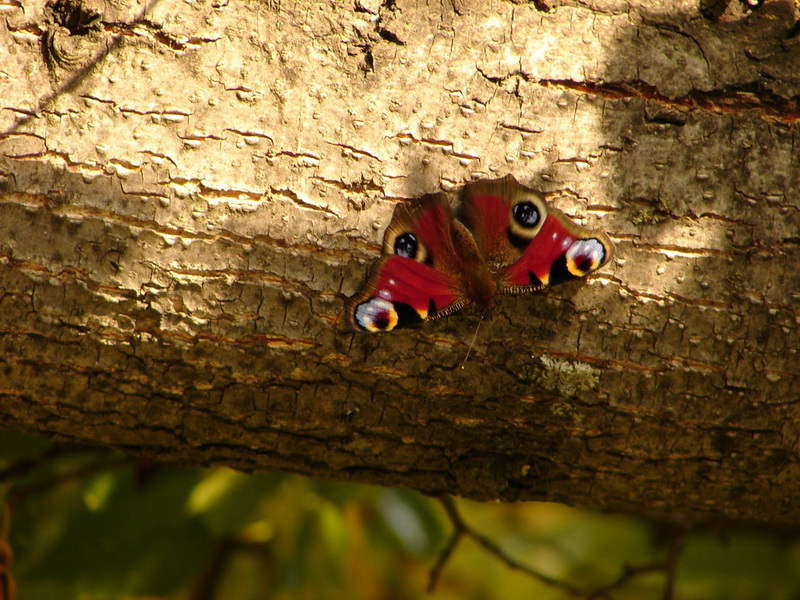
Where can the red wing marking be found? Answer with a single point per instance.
(403, 292)
(552, 241)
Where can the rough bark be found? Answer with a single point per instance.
(189, 189)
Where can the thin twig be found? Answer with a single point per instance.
(444, 556)
(668, 565)
(208, 579)
(460, 528)
(628, 573)
(671, 565)
(8, 586)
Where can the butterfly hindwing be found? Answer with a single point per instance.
(418, 278)
(528, 244)
(401, 292)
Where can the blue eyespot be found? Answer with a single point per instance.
(406, 245)
(526, 214)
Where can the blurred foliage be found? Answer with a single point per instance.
(90, 524)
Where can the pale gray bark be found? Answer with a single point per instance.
(190, 188)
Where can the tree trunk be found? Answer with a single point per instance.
(190, 190)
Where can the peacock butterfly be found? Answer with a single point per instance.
(507, 241)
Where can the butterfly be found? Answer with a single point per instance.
(507, 240)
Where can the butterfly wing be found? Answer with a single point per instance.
(418, 278)
(528, 244)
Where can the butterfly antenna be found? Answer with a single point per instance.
(474, 337)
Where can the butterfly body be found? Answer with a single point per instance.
(507, 241)
(478, 281)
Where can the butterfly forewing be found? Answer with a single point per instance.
(423, 231)
(419, 279)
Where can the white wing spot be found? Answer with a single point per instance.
(590, 249)
(375, 312)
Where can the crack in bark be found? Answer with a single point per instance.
(445, 145)
(175, 115)
(154, 31)
(520, 128)
(672, 250)
(731, 100)
(359, 188)
(291, 195)
(250, 134)
(354, 150)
